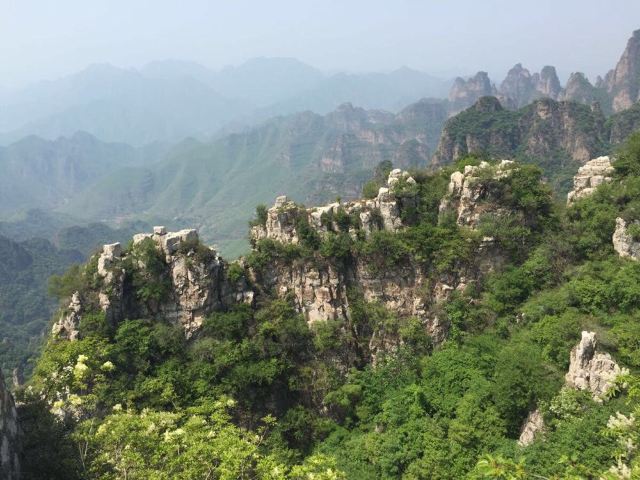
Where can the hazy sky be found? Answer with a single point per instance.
(49, 38)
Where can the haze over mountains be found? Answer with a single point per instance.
(170, 100)
(128, 163)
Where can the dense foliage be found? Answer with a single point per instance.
(260, 394)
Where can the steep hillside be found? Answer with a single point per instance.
(45, 174)
(458, 324)
(25, 268)
(559, 136)
(315, 158)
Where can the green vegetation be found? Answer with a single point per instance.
(258, 393)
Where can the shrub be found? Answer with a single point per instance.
(260, 218)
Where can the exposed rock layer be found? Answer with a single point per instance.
(591, 175)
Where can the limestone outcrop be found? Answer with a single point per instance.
(69, 321)
(533, 425)
(590, 369)
(591, 175)
(9, 435)
(319, 289)
(624, 241)
(467, 193)
(183, 282)
(172, 276)
(380, 213)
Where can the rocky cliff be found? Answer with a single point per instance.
(464, 93)
(618, 91)
(9, 436)
(167, 275)
(173, 277)
(623, 82)
(626, 241)
(556, 132)
(520, 87)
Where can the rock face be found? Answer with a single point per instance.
(380, 213)
(192, 283)
(546, 83)
(624, 242)
(172, 277)
(558, 132)
(519, 86)
(466, 191)
(579, 89)
(320, 289)
(533, 425)
(592, 174)
(9, 436)
(591, 370)
(623, 82)
(465, 93)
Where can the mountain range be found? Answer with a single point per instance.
(170, 100)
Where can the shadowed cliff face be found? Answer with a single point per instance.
(9, 435)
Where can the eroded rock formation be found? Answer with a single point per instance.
(465, 93)
(591, 175)
(183, 282)
(590, 369)
(624, 241)
(466, 190)
(380, 213)
(171, 276)
(533, 425)
(623, 82)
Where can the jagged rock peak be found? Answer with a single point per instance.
(10, 447)
(464, 93)
(380, 213)
(625, 241)
(547, 82)
(623, 82)
(518, 85)
(591, 175)
(579, 89)
(590, 369)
